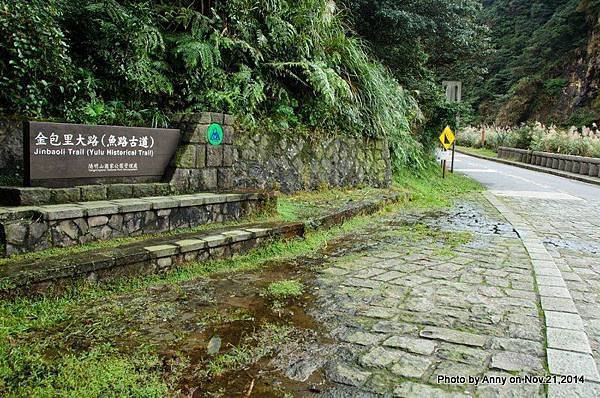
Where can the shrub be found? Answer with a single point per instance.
(282, 66)
(37, 75)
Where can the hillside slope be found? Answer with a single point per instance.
(546, 65)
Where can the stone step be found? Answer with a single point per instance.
(148, 256)
(33, 228)
(36, 196)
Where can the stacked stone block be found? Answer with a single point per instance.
(198, 165)
(29, 229)
(290, 164)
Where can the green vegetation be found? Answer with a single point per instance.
(423, 43)
(101, 372)
(217, 316)
(282, 290)
(282, 66)
(479, 151)
(252, 349)
(302, 206)
(33, 367)
(430, 190)
(21, 367)
(539, 46)
(419, 232)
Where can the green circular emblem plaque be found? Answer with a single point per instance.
(215, 134)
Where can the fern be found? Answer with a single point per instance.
(288, 66)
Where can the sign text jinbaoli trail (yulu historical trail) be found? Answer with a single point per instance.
(64, 155)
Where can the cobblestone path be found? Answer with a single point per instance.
(447, 296)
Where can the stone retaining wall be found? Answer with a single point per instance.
(11, 147)
(257, 161)
(569, 163)
(57, 275)
(267, 161)
(199, 166)
(35, 196)
(25, 230)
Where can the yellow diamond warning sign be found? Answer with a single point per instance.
(447, 138)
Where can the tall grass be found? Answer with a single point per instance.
(583, 141)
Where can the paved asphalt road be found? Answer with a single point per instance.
(500, 177)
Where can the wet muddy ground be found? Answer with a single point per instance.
(226, 337)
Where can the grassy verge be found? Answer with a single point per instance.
(30, 367)
(430, 190)
(479, 151)
(28, 370)
(305, 205)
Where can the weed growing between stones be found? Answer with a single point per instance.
(281, 292)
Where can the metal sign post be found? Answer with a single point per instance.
(452, 164)
(444, 169)
(453, 91)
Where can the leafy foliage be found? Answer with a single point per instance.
(424, 43)
(36, 70)
(281, 65)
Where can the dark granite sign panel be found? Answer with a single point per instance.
(62, 155)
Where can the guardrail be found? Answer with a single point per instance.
(569, 163)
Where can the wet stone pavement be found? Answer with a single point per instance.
(447, 295)
(399, 308)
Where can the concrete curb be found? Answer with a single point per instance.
(572, 176)
(568, 350)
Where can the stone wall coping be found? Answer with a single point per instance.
(583, 159)
(121, 206)
(188, 245)
(38, 196)
(518, 150)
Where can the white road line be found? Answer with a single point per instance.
(536, 195)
